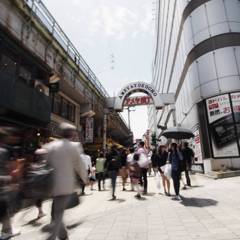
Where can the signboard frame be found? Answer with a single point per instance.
(234, 123)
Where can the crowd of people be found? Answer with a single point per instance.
(57, 166)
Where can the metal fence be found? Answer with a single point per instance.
(45, 17)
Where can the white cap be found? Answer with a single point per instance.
(67, 126)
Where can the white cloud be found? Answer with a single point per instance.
(119, 22)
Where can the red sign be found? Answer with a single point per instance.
(133, 101)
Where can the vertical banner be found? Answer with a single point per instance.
(221, 126)
(104, 133)
(89, 130)
(197, 147)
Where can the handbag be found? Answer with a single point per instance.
(73, 201)
(168, 170)
(144, 161)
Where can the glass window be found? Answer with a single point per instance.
(57, 104)
(71, 111)
(64, 110)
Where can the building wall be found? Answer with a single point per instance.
(197, 57)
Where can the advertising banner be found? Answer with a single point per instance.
(89, 130)
(221, 126)
(197, 147)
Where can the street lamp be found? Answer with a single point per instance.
(129, 111)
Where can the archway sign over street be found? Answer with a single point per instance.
(159, 100)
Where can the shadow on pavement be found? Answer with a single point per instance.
(33, 222)
(198, 202)
(119, 200)
(74, 225)
(150, 194)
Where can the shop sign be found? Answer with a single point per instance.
(221, 126)
(197, 147)
(89, 130)
(138, 100)
(198, 168)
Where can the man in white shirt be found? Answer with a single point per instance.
(143, 154)
(64, 157)
(88, 166)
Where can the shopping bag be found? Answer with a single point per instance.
(168, 170)
(73, 201)
(144, 161)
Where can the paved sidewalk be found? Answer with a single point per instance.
(210, 210)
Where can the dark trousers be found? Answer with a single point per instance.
(143, 179)
(101, 178)
(187, 178)
(113, 176)
(176, 176)
(58, 207)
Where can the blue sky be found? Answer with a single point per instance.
(115, 37)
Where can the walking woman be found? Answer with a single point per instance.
(100, 169)
(175, 158)
(162, 160)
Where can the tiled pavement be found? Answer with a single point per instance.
(210, 210)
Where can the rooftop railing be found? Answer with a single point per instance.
(45, 17)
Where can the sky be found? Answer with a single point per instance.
(115, 37)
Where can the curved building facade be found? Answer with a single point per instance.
(197, 56)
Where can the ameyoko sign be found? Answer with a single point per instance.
(138, 87)
(138, 100)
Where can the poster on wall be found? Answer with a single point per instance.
(197, 147)
(89, 130)
(221, 126)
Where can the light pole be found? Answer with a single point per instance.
(129, 120)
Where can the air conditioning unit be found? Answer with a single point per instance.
(38, 85)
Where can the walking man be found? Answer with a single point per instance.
(144, 166)
(188, 156)
(64, 157)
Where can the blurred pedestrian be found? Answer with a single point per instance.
(88, 165)
(64, 156)
(113, 166)
(40, 156)
(130, 161)
(144, 165)
(134, 172)
(176, 158)
(188, 156)
(123, 170)
(100, 170)
(162, 160)
(154, 160)
(10, 173)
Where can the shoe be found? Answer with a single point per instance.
(114, 198)
(41, 215)
(124, 189)
(166, 193)
(176, 198)
(66, 238)
(138, 196)
(184, 188)
(83, 193)
(6, 236)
